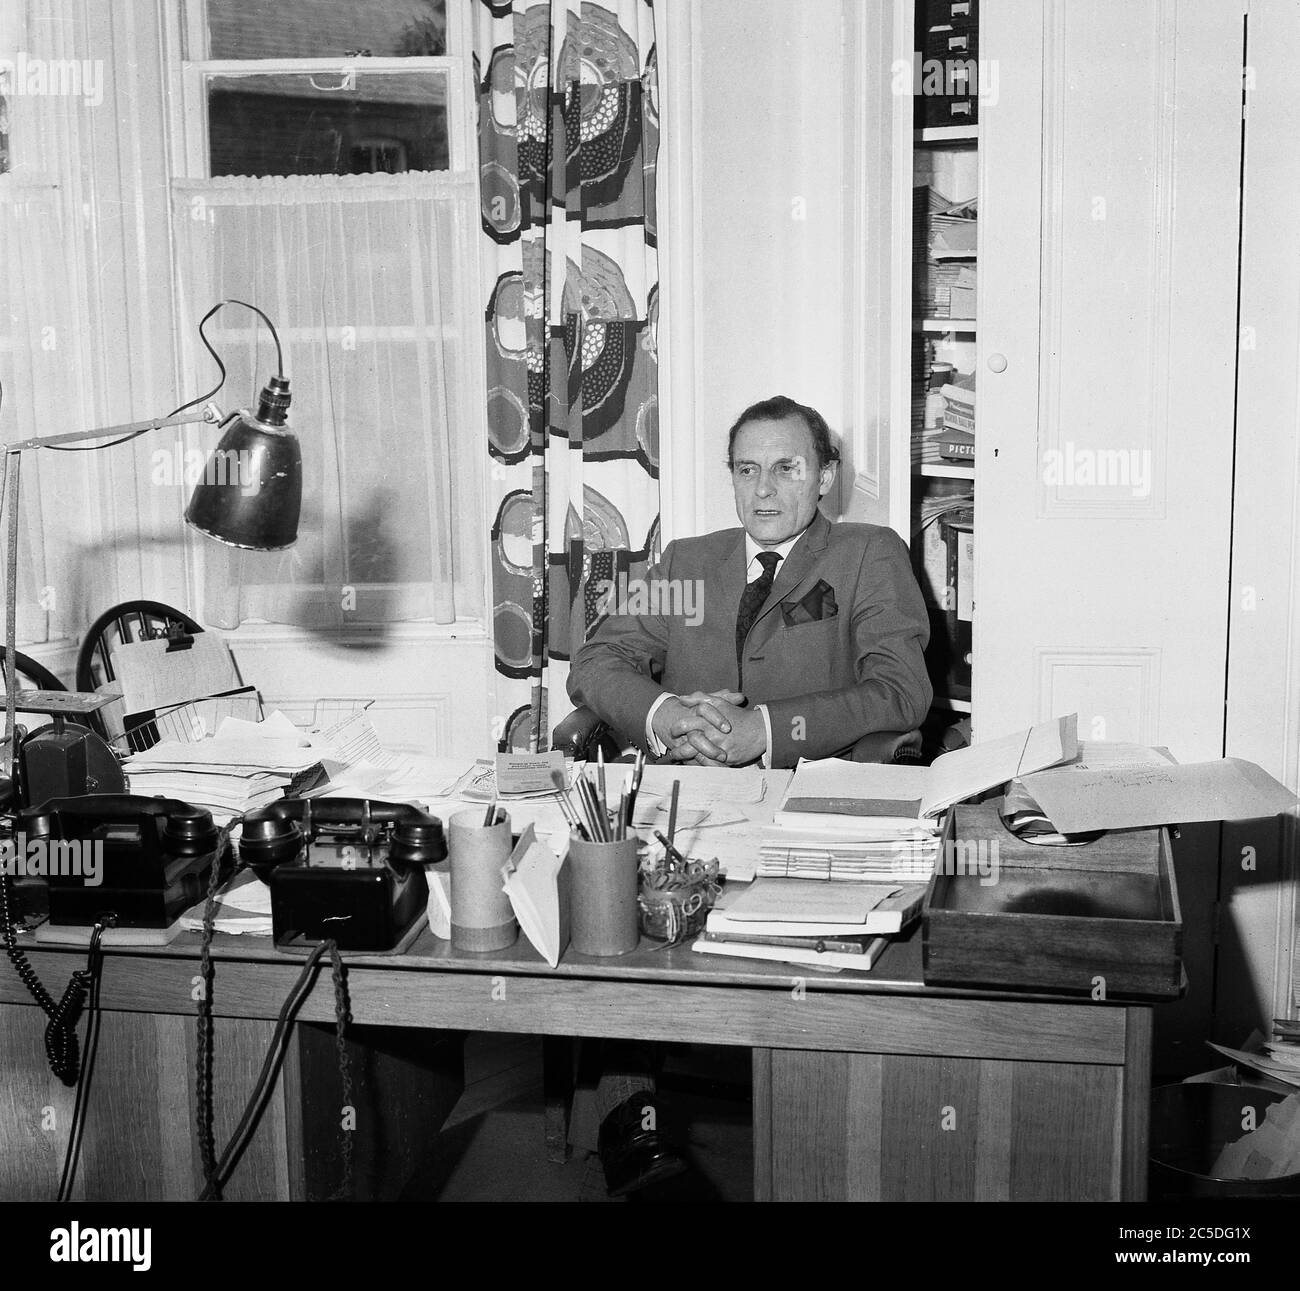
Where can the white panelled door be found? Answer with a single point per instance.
(1107, 345)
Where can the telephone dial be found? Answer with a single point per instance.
(345, 869)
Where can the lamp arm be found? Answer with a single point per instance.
(209, 413)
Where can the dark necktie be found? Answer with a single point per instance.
(752, 601)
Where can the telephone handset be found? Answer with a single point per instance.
(156, 826)
(276, 834)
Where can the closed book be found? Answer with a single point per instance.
(840, 944)
(827, 959)
(891, 914)
(957, 445)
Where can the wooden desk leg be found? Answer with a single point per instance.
(1136, 1108)
(557, 1090)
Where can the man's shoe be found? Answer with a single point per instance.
(634, 1149)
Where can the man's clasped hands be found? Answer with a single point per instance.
(712, 729)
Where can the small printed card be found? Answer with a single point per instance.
(528, 772)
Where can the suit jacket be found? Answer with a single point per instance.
(835, 654)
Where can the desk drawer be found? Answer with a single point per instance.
(1099, 921)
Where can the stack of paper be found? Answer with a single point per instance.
(227, 775)
(832, 925)
(857, 821)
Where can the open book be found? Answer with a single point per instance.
(834, 793)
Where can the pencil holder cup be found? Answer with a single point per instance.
(602, 896)
(481, 915)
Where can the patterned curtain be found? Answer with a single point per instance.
(568, 136)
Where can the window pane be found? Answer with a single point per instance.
(327, 123)
(326, 28)
(366, 281)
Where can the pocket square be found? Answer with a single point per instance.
(816, 605)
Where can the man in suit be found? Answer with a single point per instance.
(789, 637)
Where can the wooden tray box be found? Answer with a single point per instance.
(1057, 919)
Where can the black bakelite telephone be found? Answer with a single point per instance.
(343, 869)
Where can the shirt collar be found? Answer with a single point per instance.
(753, 566)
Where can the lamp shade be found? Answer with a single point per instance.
(250, 494)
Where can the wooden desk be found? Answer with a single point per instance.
(866, 1087)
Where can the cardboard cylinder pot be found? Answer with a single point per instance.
(481, 916)
(602, 895)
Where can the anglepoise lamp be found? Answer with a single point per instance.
(249, 495)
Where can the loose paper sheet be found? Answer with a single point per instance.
(1129, 797)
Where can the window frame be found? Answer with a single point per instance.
(188, 35)
(184, 29)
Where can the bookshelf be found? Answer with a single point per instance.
(944, 161)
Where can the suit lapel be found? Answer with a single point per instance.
(733, 569)
(799, 566)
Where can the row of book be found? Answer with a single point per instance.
(957, 434)
(944, 241)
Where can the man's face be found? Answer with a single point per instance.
(774, 473)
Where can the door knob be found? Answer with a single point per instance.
(997, 362)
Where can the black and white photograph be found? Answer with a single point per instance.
(648, 602)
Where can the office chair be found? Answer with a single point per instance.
(129, 621)
(582, 733)
(40, 677)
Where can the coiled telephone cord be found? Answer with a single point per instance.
(61, 1047)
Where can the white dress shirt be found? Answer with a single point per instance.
(753, 570)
